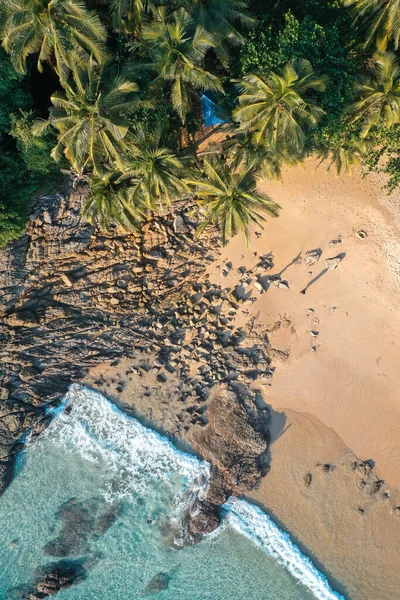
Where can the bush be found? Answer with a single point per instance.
(35, 151)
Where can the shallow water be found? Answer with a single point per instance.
(120, 475)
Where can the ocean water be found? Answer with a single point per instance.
(100, 488)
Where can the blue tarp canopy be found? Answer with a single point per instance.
(210, 110)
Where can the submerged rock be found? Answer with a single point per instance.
(50, 580)
(158, 583)
(82, 523)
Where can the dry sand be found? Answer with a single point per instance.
(334, 394)
(337, 394)
(351, 381)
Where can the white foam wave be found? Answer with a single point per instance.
(137, 458)
(252, 522)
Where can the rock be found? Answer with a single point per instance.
(28, 373)
(67, 279)
(204, 519)
(52, 579)
(333, 263)
(283, 284)
(179, 225)
(158, 583)
(312, 256)
(308, 479)
(82, 523)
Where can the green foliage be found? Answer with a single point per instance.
(267, 49)
(50, 29)
(177, 48)
(384, 155)
(21, 160)
(383, 20)
(13, 93)
(278, 109)
(128, 67)
(88, 116)
(35, 151)
(15, 193)
(231, 199)
(378, 96)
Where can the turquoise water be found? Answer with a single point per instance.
(100, 487)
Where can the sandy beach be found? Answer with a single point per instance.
(335, 387)
(342, 336)
(335, 357)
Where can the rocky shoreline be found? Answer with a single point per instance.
(73, 298)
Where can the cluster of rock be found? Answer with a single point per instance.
(72, 297)
(50, 580)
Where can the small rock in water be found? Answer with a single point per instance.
(158, 583)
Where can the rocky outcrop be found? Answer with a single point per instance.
(72, 297)
(50, 580)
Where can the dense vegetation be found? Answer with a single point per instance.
(109, 91)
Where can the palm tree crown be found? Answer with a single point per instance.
(154, 165)
(277, 108)
(112, 202)
(89, 117)
(379, 96)
(220, 17)
(50, 28)
(177, 49)
(231, 199)
(384, 16)
(128, 15)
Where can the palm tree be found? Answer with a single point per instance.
(345, 153)
(220, 17)
(154, 165)
(128, 15)
(379, 96)
(177, 49)
(89, 116)
(276, 109)
(384, 16)
(231, 199)
(242, 152)
(50, 28)
(111, 202)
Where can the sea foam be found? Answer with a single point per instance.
(138, 458)
(252, 522)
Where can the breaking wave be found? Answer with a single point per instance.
(138, 458)
(252, 522)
